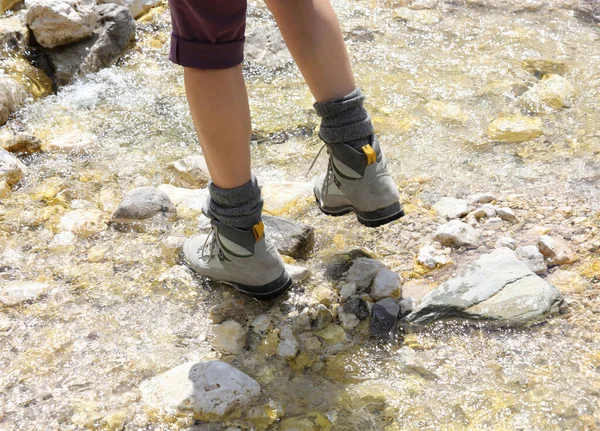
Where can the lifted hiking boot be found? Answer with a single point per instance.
(243, 259)
(358, 181)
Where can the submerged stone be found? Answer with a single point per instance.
(288, 344)
(497, 287)
(229, 337)
(568, 281)
(84, 222)
(310, 422)
(515, 129)
(457, 234)
(292, 238)
(384, 319)
(451, 208)
(280, 197)
(20, 143)
(210, 390)
(17, 292)
(12, 96)
(136, 7)
(552, 92)
(363, 271)
(192, 171)
(11, 168)
(143, 203)
(387, 284)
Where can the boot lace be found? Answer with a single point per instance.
(327, 174)
(211, 245)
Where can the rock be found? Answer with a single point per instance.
(324, 295)
(356, 307)
(387, 284)
(136, 7)
(552, 92)
(406, 306)
(15, 293)
(60, 22)
(8, 4)
(457, 234)
(445, 111)
(494, 223)
(506, 241)
(363, 271)
(384, 319)
(532, 257)
(481, 198)
(143, 203)
(266, 47)
(62, 240)
(280, 197)
(12, 97)
(430, 257)
(416, 289)
(292, 238)
(347, 290)
(321, 317)
(311, 422)
(192, 171)
(332, 333)
(261, 324)
(177, 278)
(515, 129)
(297, 273)
(229, 337)
(348, 320)
(507, 214)
(106, 44)
(568, 281)
(408, 361)
(20, 143)
(84, 223)
(451, 208)
(14, 35)
(288, 344)
(556, 251)
(496, 287)
(545, 66)
(208, 389)
(186, 200)
(11, 168)
(5, 323)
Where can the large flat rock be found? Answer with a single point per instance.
(496, 287)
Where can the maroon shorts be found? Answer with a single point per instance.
(208, 34)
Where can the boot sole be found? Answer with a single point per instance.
(367, 218)
(268, 291)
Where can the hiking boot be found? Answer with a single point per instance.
(243, 259)
(358, 181)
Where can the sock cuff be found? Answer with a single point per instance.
(343, 134)
(240, 207)
(334, 107)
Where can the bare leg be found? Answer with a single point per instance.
(312, 33)
(219, 105)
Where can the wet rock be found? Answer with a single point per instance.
(515, 129)
(11, 168)
(297, 273)
(20, 143)
(506, 241)
(481, 198)
(363, 271)
(14, 35)
(430, 257)
(229, 309)
(73, 142)
(451, 208)
(136, 7)
(261, 324)
(416, 289)
(552, 92)
(406, 306)
(192, 171)
(384, 319)
(356, 307)
(556, 251)
(177, 278)
(208, 389)
(545, 66)
(387, 284)
(143, 203)
(332, 333)
(324, 295)
(321, 317)
(496, 287)
(185, 200)
(12, 97)
(265, 47)
(280, 197)
(84, 222)
(5, 323)
(568, 281)
(116, 28)
(288, 344)
(229, 337)
(348, 320)
(310, 422)
(15, 293)
(494, 223)
(408, 361)
(457, 234)
(292, 238)
(446, 111)
(532, 257)
(60, 22)
(8, 4)
(62, 240)
(507, 214)
(347, 290)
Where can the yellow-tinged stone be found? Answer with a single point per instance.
(544, 66)
(7, 4)
(302, 361)
(590, 269)
(594, 359)
(332, 333)
(568, 281)
(34, 80)
(115, 420)
(446, 111)
(311, 422)
(268, 345)
(515, 128)
(345, 367)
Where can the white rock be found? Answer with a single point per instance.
(12, 96)
(515, 128)
(348, 320)
(59, 22)
(73, 142)
(17, 292)
(532, 257)
(143, 203)
(568, 281)
(5, 323)
(206, 388)
(506, 214)
(481, 198)
(192, 170)
(347, 290)
(494, 223)
(229, 337)
(324, 295)
(506, 241)
(191, 200)
(430, 257)
(457, 234)
(279, 197)
(451, 208)
(287, 347)
(387, 284)
(446, 111)
(11, 168)
(556, 250)
(297, 273)
(261, 324)
(84, 222)
(136, 7)
(552, 92)
(62, 240)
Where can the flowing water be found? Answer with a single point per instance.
(75, 358)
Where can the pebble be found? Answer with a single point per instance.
(515, 128)
(332, 333)
(556, 250)
(357, 307)
(229, 337)
(20, 143)
(297, 273)
(347, 290)
(387, 284)
(324, 295)
(84, 223)
(261, 324)
(457, 234)
(481, 198)
(143, 203)
(363, 271)
(5, 323)
(506, 241)
(406, 306)
(430, 257)
(229, 309)
(384, 319)
(532, 257)
(348, 320)
(506, 214)
(287, 347)
(321, 317)
(11, 168)
(451, 208)
(17, 292)
(494, 223)
(192, 171)
(211, 388)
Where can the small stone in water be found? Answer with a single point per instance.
(515, 129)
(363, 271)
(321, 317)
(5, 323)
(384, 320)
(261, 324)
(347, 290)
(11, 168)
(143, 203)
(568, 281)
(332, 333)
(457, 234)
(451, 208)
(230, 309)
(297, 273)
(288, 344)
(20, 291)
(21, 143)
(506, 241)
(406, 306)
(387, 284)
(230, 337)
(532, 257)
(356, 307)
(348, 320)
(507, 214)
(192, 171)
(556, 250)
(324, 295)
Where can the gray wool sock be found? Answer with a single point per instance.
(345, 120)
(240, 207)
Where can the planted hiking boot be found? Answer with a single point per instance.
(243, 259)
(358, 181)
